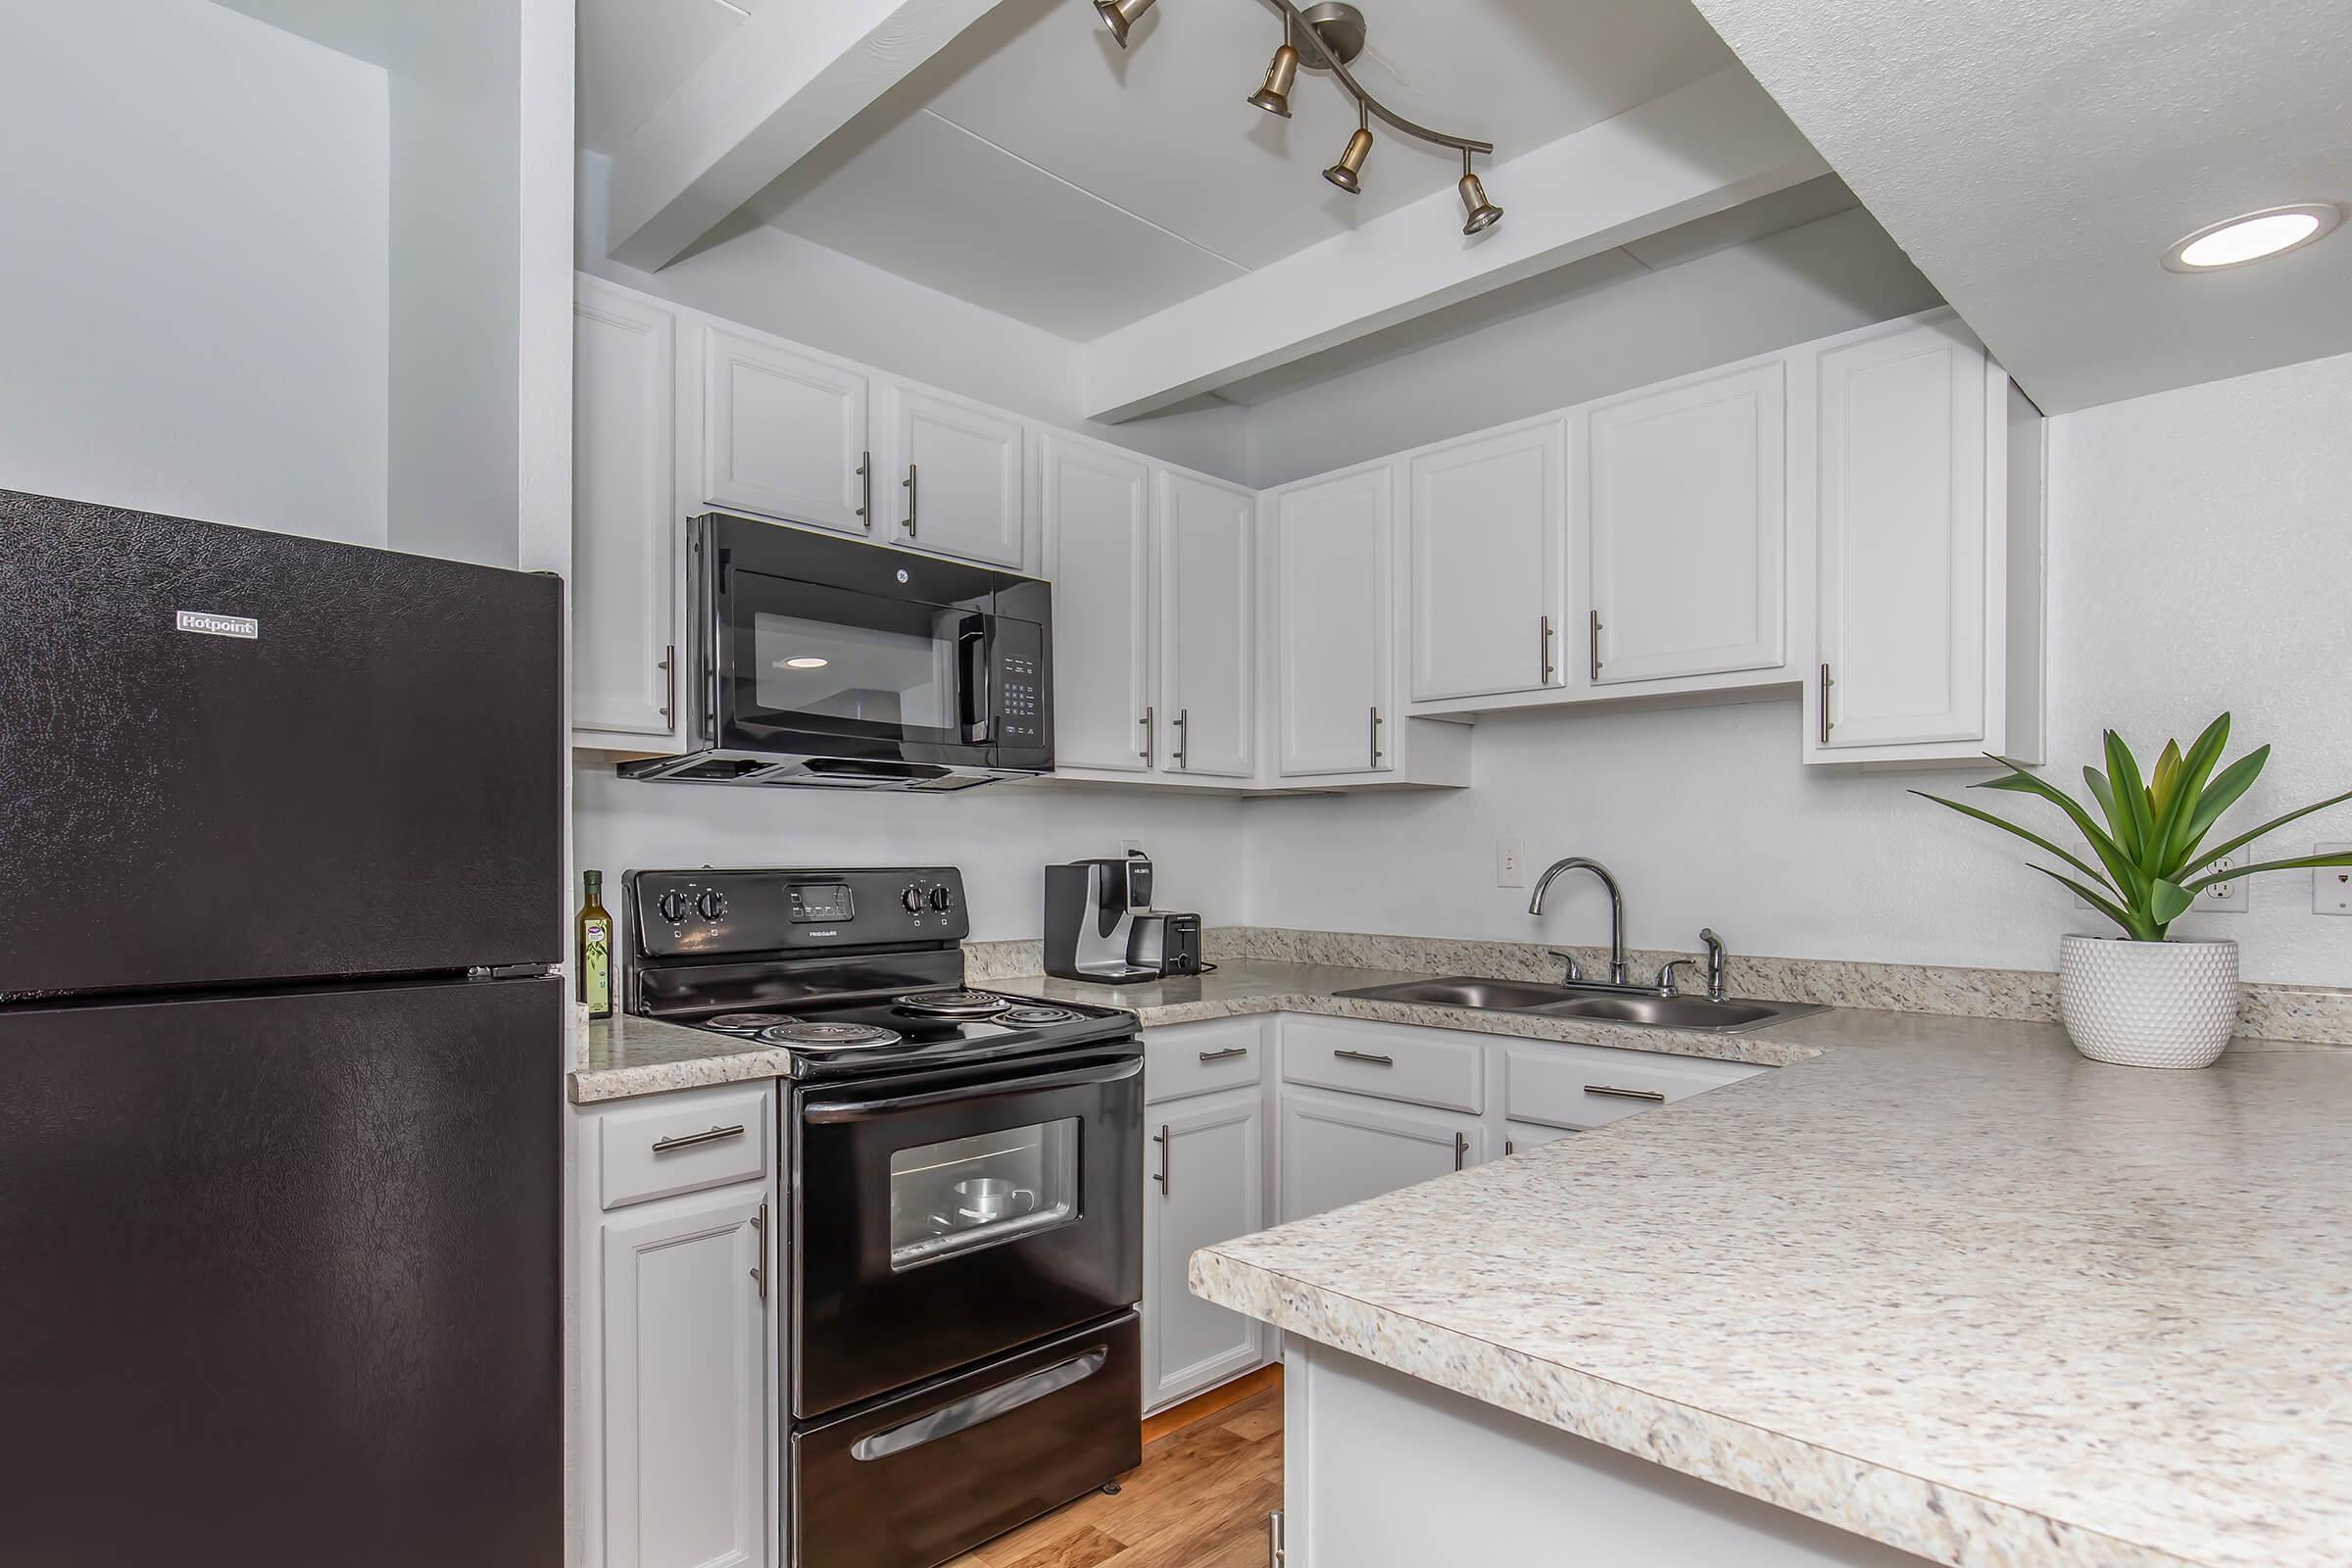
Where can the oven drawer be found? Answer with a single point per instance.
(918, 1479)
(683, 1144)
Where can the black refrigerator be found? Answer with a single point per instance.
(280, 1054)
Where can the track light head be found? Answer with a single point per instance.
(1481, 214)
(1275, 96)
(1120, 14)
(1359, 147)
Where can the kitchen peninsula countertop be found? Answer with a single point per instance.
(1948, 1286)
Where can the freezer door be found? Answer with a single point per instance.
(280, 1280)
(228, 755)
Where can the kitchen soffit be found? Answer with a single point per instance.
(1037, 170)
(633, 54)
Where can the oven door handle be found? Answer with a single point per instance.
(986, 1406)
(822, 1113)
(978, 677)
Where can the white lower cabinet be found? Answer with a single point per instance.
(1207, 1185)
(1343, 1149)
(679, 1332)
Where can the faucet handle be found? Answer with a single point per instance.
(1575, 972)
(1665, 986)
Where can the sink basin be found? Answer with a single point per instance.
(1464, 991)
(1729, 1016)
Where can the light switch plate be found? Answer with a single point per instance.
(1510, 863)
(2331, 886)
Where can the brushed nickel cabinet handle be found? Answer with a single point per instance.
(1150, 736)
(1626, 1093)
(1461, 1150)
(1184, 739)
(1544, 647)
(1365, 1057)
(759, 1235)
(1826, 722)
(1162, 1140)
(911, 494)
(1227, 1054)
(669, 683)
(865, 489)
(1376, 735)
(1510, 1149)
(1595, 639)
(662, 1145)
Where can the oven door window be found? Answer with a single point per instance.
(811, 657)
(978, 1191)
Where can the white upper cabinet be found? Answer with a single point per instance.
(624, 517)
(1209, 628)
(1097, 545)
(955, 476)
(1926, 469)
(784, 432)
(1487, 545)
(1334, 548)
(1682, 499)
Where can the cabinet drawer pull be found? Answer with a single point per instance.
(1150, 736)
(1376, 736)
(669, 683)
(1659, 1094)
(865, 490)
(1826, 722)
(1549, 668)
(1461, 1150)
(1593, 636)
(1510, 1149)
(1367, 1057)
(1165, 1148)
(662, 1145)
(1227, 1054)
(759, 1238)
(911, 494)
(1184, 739)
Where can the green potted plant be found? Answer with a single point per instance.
(2144, 1000)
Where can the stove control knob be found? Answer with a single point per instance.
(912, 899)
(709, 903)
(673, 905)
(941, 900)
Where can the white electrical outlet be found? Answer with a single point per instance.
(2223, 898)
(2331, 885)
(1510, 863)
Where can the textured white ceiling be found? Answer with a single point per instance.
(2036, 157)
(1038, 170)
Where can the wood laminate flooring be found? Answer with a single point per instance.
(1199, 1500)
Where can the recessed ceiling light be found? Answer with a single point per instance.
(804, 662)
(2253, 237)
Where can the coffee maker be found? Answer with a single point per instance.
(1101, 925)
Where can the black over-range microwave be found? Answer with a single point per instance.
(813, 660)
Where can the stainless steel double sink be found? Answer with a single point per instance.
(1732, 1016)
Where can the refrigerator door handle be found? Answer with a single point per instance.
(986, 1406)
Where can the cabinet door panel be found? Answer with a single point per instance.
(625, 504)
(1098, 511)
(684, 1449)
(1209, 628)
(1211, 1155)
(1339, 1148)
(784, 434)
(966, 464)
(1685, 499)
(1335, 546)
(1902, 538)
(1486, 526)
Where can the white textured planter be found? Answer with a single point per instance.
(2148, 1003)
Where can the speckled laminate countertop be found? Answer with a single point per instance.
(1947, 1285)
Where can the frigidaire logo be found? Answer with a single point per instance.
(217, 625)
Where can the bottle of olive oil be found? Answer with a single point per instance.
(596, 950)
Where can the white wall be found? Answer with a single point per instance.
(798, 289)
(193, 275)
(2199, 561)
(1617, 325)
(1002, 836)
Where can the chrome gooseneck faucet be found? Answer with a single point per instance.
(1577, 862)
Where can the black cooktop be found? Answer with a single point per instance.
(856, 1036)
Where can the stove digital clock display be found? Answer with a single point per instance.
(812, 902)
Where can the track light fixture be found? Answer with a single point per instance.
(1120, 14)
(1275, 96)
(1351, 161)
(1327, 37)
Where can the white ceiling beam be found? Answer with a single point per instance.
(789, 77)
(1713, 144)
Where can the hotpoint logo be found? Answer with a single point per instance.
(212, 625)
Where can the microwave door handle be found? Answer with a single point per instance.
(979, 685)
(855, 1110)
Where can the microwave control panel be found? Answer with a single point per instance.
(1020, 686)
